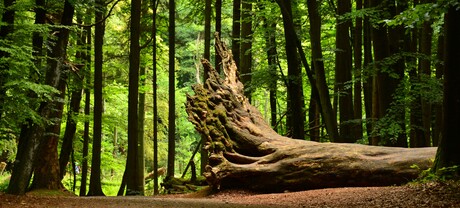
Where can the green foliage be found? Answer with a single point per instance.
(442, 175)
(4, 181)
(8, 148)
(430, 12)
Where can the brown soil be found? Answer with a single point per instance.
(421, 195)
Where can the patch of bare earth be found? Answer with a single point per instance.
(421, 195)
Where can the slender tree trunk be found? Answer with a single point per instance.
(324, 101)
(357, 86)
(425, 73)
(74, 108)
(140, 154)
(236, 31)
(270, 47)
(448, 154)
(218, 6)
(246, 48)
(384, 86)
(207, 33)
(437, 108)
(343, 65)
(134, 184)
(155, 101)
(95, 187)
(416, 124)
(207, 56)
(172, 90)
(84, 165)
(367, 78)
(295, 117)
(396, 46)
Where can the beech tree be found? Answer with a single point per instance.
(172, 90)
(134, 177)
(37, 148)
(95, 188)
(448, 154)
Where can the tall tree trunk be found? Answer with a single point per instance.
(448, 154)
(31, 137)
(207, 33)
(236, 31)
(20, 180)
(295, 116)
(218, 6)
(343, 65)
(416, 124)
(84, 165)
(246, 47)
(134, 184)
(74, 107)
(437, 108)
(207, 56)
(396, 46)
(384, 86)
(95, 188)
(324, 101)
(367, 79)
(46, 168)
(270, 47)
(357, 129)
(172, 90)
(141, 130)
(425, 74)
(155, 97)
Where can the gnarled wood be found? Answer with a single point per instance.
(246, 153)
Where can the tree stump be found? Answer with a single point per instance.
(246, 153)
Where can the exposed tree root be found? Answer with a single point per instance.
(246, 153)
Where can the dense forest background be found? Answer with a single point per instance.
(80, 80)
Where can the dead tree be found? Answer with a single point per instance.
(246, 153)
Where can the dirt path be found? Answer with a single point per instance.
(424, 195)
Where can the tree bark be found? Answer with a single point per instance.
(95, 188)
(357, 130)
(343, 65)
(247, 153)
(219, 31)
(323, 98)
(270, 47)
(236, 30)
(36, 137)
(134, 181)
(367, 74)
(84, 165)
(246, 47)
(295, 117)
(172, 90)
(425, 73)
(448, 154)
(75, 99)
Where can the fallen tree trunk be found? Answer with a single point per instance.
(246, 153)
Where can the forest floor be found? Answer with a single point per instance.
(432, 194)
